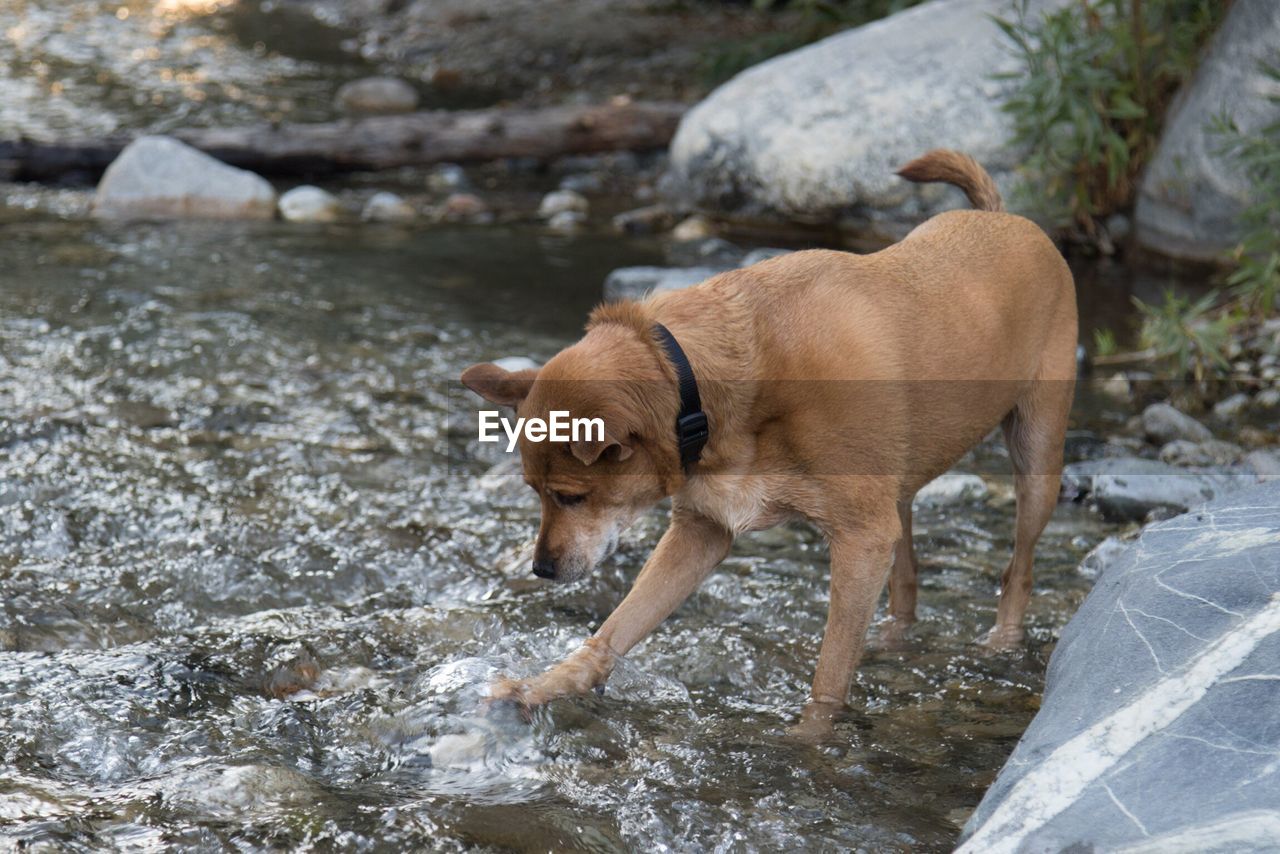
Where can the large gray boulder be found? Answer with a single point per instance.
(1158, 729)
(1191, 196)
(158, 177)
(817, 134)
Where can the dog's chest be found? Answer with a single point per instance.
(739, 502)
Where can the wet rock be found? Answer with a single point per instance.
(583, 182)
(820, 132)
(567, 222)
(309, 204)
(636, 282)
(387, 207)
(159, 177)
(1265, 463)
(376, 95)
(646, 220)
(952, 488)
(693, 228)
(1268, 398)
(1192, 193)
(448, 177)
(1181, 452)
(1163, 424)
(1130, 489)
(1103, 555)
(755, 256)
(560, 201)
(1157, 729)
(463, 206)
(1231, 407)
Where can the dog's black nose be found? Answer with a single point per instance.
(544, 568)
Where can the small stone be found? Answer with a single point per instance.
(566, 221)
(952, 488)
(1269, 373)
(1181, 452)
(1231, 407)
(646, 220)
(583, 182)
(755, 256)
(387, 207)
(1101, 556)
(1118, 227)
(636, 282)
(447, 177)
(1268, 398)
(559, 201)
(1264, 463)
(373, 95)
(309, 204)
(1116, 385)
(693, 228)
(463, 206)
(1162, 424)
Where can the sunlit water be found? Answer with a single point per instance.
(251, 595)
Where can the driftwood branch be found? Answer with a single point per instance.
(381, 142)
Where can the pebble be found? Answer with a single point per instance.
(1231, 407)
(693, 228)
(560, 201)
(567, 222)
(373, 95)
(646, 220)
(463, 206)
(1162, 424)
(387, 207)
(309, 204)
(448, 177)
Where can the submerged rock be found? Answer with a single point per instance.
(1157, 729)
(636, 282)
(820, 132)
(159, 177)
(309, 204)
(561, 201)
(952, 488)
(1163, 424)
(1192, 193)
(376, 95)
(387, 207)
(1181, 452)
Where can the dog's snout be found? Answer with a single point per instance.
(544, 568)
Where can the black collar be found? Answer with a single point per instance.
(691, 424)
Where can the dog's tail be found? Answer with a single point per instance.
(952, 167)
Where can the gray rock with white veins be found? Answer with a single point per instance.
(1158, 729)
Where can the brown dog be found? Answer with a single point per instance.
(835, 386)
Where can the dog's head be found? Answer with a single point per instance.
(594, 486)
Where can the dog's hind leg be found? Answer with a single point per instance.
(1034, 432)
(902, 582)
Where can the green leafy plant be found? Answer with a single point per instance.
(1090, 95)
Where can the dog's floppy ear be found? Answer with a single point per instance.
(498, 385)
(589, 450)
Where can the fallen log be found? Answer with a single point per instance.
(380, 142)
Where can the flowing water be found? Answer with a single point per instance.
(252, 588)
(252, 592)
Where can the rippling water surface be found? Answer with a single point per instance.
(248, 599)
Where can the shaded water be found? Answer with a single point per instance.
(224, 468)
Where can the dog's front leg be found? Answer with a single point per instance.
(692, 546)
(859, 567)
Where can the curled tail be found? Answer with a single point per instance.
(952, 167)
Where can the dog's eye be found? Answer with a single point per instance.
(564, 499)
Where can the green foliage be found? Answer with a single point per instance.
(1091, 92)
(1193, 334)
(1104, 342)
(804, 22)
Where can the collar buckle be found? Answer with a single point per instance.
(692, 433)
